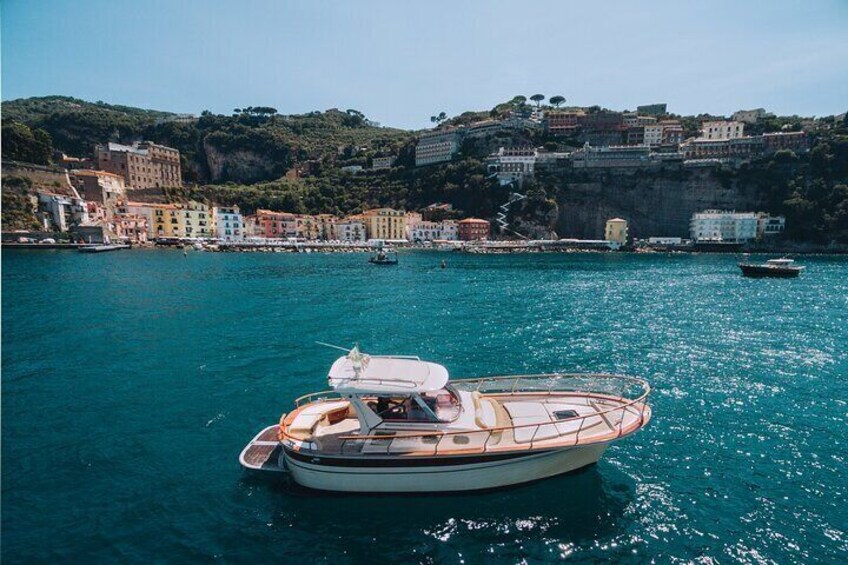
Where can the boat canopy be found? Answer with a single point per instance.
(360, 373)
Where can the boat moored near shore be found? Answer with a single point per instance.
(103, 248)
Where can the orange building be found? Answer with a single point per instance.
(471, 229)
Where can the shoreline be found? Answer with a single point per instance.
(321, 248)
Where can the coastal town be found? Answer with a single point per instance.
(116, 195)
(447, 282)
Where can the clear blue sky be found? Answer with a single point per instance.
(400, 62)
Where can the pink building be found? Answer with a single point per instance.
(131, 227)
(277, 225)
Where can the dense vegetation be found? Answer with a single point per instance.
(811, 190)
(17, 207)
(462, 183)
(20, 143)
(280, 141)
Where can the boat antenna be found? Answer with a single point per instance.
(333, 346)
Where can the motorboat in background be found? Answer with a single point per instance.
(782, 268)
(397, 424)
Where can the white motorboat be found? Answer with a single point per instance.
(396, 424)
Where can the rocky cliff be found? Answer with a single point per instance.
(242, 165)
(653, 205)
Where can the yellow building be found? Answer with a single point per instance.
(616, 231)
(163, 220)
(384, 223)
(196, 220)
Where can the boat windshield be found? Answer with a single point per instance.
(438, 406)
(444, 403)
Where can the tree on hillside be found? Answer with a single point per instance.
(557, 101)
(354, 118)
(439, 119)
(518, 100)
(537, 98)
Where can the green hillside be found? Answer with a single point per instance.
(242, 158)
(256, 134)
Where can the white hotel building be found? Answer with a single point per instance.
(431, 231)
(437, 147)
(731, 227)
(350, 230)
(513, 164)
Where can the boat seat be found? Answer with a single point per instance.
(308, 419)
(485, 415)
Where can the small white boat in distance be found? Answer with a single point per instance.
(103, 248)
(396, 424)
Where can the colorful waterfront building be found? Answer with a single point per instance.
(252, 227)
(128, 226)
(384, 223)
(325, 226)
(229, 223)
(616, 231)
(449, 230)
(473, 229)
(424, 230)
(277, 225)
(196, 219)
(350, 229)
(163, 220)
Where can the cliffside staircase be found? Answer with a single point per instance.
(500, 218)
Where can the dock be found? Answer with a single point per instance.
(103, 248)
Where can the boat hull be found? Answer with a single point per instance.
(439, 474)
(762, 271)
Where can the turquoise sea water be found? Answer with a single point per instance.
(131, 381)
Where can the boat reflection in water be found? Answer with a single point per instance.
(396, 424)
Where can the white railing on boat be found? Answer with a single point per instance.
(629, 393)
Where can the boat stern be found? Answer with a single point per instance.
(264, 451)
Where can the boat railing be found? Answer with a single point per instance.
(606, 383)
(628, 396)
(317, 396)
(405, 383)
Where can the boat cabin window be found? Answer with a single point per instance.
(402, 408)
(444, 403)
(437, 406)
